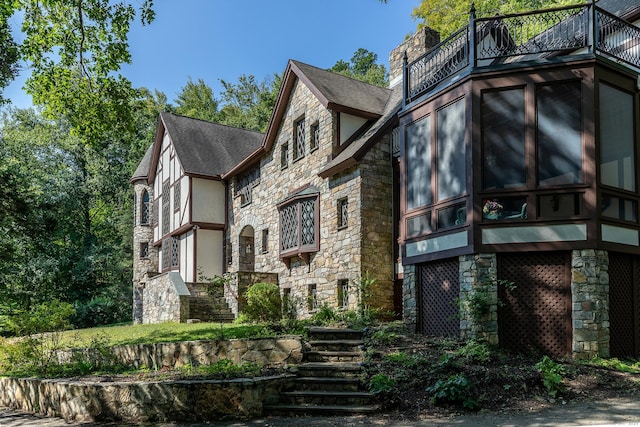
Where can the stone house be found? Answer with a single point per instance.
(312, 204)
(181, 215)
(519, 166)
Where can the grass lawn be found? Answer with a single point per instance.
(162, 332)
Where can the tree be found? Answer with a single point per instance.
(8, 51)
(363, 67)
(447, 16)
(74, 49)
(196, 100)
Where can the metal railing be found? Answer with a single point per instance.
(522, 37)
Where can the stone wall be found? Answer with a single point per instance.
(410, 297)
(135, 402)
(590, 301)
(166, 299)
(143, 267)
(415, 46)
(271, 352)
(478, 280)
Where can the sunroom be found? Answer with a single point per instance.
(519, 142)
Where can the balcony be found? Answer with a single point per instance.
(530, 37)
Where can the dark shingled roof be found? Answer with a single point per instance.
(619, 7)
(206, 148)
(142, 172)
(344, 91)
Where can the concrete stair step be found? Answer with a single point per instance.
(325, 397)
(327, 383)
(333, 356)
(330, 369)
(336, 345)
(317, 333)
(326, 410)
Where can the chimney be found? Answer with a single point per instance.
(415, 46)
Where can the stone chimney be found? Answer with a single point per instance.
(415, 46)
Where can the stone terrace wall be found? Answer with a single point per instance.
(203, 400)
(166, 299)
(271, 352)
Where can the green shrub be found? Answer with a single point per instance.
(325, 314)
(100, 311)
(552, 375)
(475, 351)
(455, 389)
(381, 384)
(263, 303)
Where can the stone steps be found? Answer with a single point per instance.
(328, 382)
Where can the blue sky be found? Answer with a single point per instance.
(224, 39)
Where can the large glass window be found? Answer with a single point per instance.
(559, 136)
(618, 166)
(503, 139)
(418, 154)
(451, 151)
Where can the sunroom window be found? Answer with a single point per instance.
(418, 156)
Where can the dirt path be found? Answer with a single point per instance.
(618, 412)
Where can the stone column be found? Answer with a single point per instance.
(409, 300)
(479, 297)
(590, 303)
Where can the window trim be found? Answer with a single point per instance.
(314, 136)
(300, 250)
(284, 155)
(299, 146)
(145, 206)
(343, 217)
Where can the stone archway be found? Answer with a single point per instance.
(246, 249)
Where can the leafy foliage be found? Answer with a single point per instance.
(381, 384)
(455, 389)
(552, 375)
(363, 67)
(263, 303)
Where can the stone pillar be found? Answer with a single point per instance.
(590, 303)
(479, 297)
(409, 299)
(143, 264)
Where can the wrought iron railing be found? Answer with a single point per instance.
(523, 37)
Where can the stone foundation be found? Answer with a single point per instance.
(478, 283)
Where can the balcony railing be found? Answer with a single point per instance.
(523, 37)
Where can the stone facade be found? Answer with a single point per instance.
(414, 46)
(341, 249)
(410, 297)
(590, 302)
(478, 282)
(144, 267)
(166, 299)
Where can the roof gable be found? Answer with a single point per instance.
(334, 91)
(204, 148)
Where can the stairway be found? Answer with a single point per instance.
(206, 307)
(328, 381)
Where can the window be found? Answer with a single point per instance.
(312, 297)
(144, 208)
(144, 250)
(618, 166)
(452, 171)
(418, 154)
(154, 212)
(343, 293)
(418, 225)
(245, 184)
(175, 251)
(503, 139)
(299, 226)
(176, 196)
(559, 134)
(166, 254)
(452, 216)
(265, 241)
(229, 253)
(165, 208)
(315, 137)
(299, 140)
(619, 208)
(343, 213)
(284, 156)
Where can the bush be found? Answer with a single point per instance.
(552, 375)
(381, 384)
(455, 389)
(100, 311)
(263, 303)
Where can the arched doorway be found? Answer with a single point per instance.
(246, 248)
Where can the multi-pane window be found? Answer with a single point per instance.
(284, 156)
(175, 251)
(166, 254)
(299, 140)
(165, 208)
(145, 208)
(312, 297)
(503, 139)
(265, 241)
(245, 184)
(343, 293)
(343, 213)
(176, 196)
(144, 250)
(299, 225)
(315, 137)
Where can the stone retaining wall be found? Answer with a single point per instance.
(270, 352)
(204, 400)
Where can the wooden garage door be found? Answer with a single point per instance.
(536, 315)
(439, 289)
